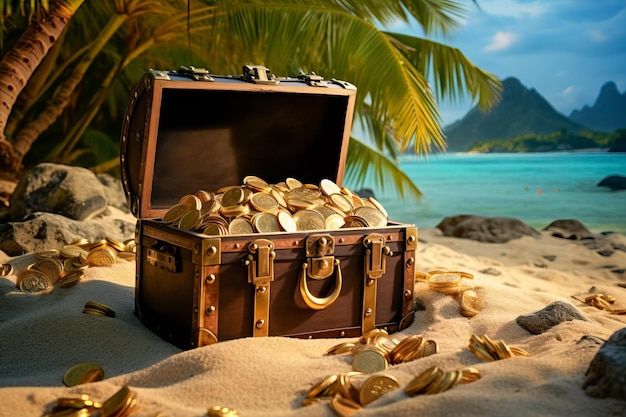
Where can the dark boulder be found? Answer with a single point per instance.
(73, 192)
(606, 375)
(548, 317)
(569, 229)
(614, 182)
(485, 229)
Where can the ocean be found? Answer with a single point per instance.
(536, 188)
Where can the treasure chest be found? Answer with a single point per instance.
(188, 131)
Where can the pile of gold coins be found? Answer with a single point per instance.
(450, 283)
(435, 380)
(489, 350)
(376, 350)
(65, 266)
(350, 391)
(289, 206)
(606, 302)
(120, 404)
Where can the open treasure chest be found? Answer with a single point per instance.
(244, 228)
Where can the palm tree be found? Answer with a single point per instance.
(342, 39)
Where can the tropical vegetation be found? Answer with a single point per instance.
(562, 140)
(68, 67)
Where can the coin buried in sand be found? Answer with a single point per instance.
(82, 373)
(98, 309)
(369, 360)
(71, 278)
(218, 411)
(119, 404)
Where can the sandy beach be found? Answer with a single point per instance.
(43, 335)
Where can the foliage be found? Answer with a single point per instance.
(83, 84)
(561, 140)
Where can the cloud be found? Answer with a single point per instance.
(568, 90)
(500, 41)
(512, 8)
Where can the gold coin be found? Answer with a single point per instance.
(130, 245)
(76, 373)
(293, 183)
(376, 386)
(406, 350)
(6, 270)
(354, 221)
(189, 220)
(373, 216)
(192, 201)
(68, 412)
(343, 407)
(334, 221)
(99, 306)
(236, 210)
(32, 281)
(286, 222)
(342, 202)
(469, 374)
(428, 348)
(309, 220)
(240, 226)
(218, 411)
(48, 253)
(80, 401)
(264, 202)
(128, 256)
(257, 183)
(340, 348)
(50, 267)
(469, 303)
(118, 403)
(265, 223)
(71, 278)
(369, 360)
(71, 251)
(232, 197)
(421, 382)
(378, 206)
(519, 352)
(175, 213)
(322, 386)
(115, 244)
(94, 312)
(215, 230)
(329, 187)
(101, 257)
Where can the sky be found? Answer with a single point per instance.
(564, 49)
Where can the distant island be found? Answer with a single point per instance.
(524, 121)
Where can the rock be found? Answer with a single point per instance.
(490, 271)
(485, 229)
(73, 192)
(550, 258)
(569, 229)
(114, 191)
(606, 375)
(548, 317)
(614, 182)
(41, 231)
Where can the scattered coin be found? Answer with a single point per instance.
(95, 308)
(370, 360)
(6, 270)
(119, 404)
(83, 372)
(489, 350)
(218, 411)
(469, 303)
(376, 386)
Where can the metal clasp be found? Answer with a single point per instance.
(375, 255)
(261, 274)
(258, 74)
(319, 253)
(197, 74)
(312, 79)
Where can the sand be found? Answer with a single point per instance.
(43, 335)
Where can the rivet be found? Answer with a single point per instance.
(254, 247)
(341, 240)
(410, 262)
(195, 249)
(342, 334)
(209, 310)
(210, 279)
(296, 242)
(368, 312)
(310, 336)
(260, 324)
(237, 245)
(410, 239)
(368, 242)
(261, 290)
(195, 310)
(408, 293)
(212, 250)
(369, 282)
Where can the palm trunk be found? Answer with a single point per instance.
(56, 106)
(18, 65)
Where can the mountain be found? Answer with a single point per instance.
(607, 114)
(520, 111)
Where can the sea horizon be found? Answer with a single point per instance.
(536, 188)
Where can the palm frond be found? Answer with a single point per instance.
(366, 165)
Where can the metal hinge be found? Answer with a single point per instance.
(260, 262)
(312, 79)
(258, 74)
(197, 74)
(163, 259)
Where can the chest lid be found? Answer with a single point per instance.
(188, 130)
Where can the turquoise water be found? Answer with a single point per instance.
(536, 188)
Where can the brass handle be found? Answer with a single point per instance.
(317, 303)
